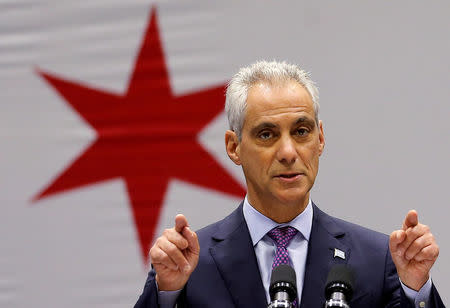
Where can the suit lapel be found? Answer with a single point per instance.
(325, 237)
(235, 259)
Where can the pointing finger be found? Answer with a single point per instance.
(411, 220)
(180, 223)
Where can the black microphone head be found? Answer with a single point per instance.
(283, 279)
(341, 278)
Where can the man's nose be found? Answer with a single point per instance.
(287, 153)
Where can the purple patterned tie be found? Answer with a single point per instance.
(282, 237)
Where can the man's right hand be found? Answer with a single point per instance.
(175, 255)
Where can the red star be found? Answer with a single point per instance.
(147, 137)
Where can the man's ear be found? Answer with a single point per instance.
(321, 138)
(232, 146)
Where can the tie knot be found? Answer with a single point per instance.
(282, 236)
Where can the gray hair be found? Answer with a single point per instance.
(263, 71)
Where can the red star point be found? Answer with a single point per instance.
(146, 136)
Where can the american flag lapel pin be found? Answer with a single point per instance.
(339, 253)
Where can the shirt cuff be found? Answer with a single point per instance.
(167, 299)
(419, 298)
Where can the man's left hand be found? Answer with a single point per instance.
(414, 251)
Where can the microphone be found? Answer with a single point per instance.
(283, 287)
(339, 287)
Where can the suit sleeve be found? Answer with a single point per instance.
(435, 299)
(394, 293)
(149, 297)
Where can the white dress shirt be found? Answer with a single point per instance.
(265, 248)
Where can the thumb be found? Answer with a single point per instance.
(180, 223)
(411, 220)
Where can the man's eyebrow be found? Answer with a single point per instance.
(305, 120)
(263, 126)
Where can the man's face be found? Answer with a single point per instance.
(280, 146)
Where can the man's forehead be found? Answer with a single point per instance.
(290, 93)
(279, 101)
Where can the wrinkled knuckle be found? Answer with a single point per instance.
(416, 245)
(158, 241)
(416, 231)
(423, 240)
(419, 234)
(151, 255)
(194, 235)
(436, 253)
(436, 248)
(166, 261)
(409, 231)
(183, 244)
(152, 250)
(166, 233)
(156, 255)
(172, 249)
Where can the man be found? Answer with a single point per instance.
(276, 136)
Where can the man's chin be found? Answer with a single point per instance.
(294, 198)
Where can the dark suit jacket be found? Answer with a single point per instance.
(227, 274)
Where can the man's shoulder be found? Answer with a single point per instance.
(224, 227)
(352, 230)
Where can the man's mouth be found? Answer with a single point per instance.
(288, 175)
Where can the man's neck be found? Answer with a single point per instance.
(279, 212)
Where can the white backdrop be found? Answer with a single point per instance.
(383, 72)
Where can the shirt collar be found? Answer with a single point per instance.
(259, 225)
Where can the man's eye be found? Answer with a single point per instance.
(302, 131)
(265, 135)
